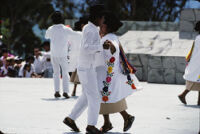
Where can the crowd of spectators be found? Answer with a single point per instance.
(37, 65)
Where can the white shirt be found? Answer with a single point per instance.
(59, 35)
(192, 70)
(21, 70)
(90, 45)
(38, 64)
(46, 64)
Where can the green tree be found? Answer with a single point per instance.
(20, 17)
(143, 10)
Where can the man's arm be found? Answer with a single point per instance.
(91, 42)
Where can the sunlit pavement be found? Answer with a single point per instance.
(27, 106)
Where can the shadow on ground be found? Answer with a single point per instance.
(59, 99)
(106, 133)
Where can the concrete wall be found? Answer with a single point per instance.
(139, 26)
(158, 69)
(188, 19)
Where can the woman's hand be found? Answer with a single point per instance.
(106, 45)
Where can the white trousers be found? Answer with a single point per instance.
(90, 96)
(60, 63)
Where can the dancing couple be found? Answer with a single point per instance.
(104, 85)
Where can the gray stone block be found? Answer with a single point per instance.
(170, 76)
(180, 64)
(144, 59)
(185, 35)
(168, 62)
(139, 73)
(186, 26)
(179, 78)
(145, 73)
(197, 14)
(155, 75)
(134, 60)
(188, 15)
(194, 34)
(155, 62)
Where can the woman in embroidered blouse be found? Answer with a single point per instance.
(113, 85)
(192, 71)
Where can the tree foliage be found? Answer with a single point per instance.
(20, 16)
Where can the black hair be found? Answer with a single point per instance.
(4, 50)
(26, 65)
(96, 12)
(46, 43)
(28, 58)
(197, 27)
(80, 22)
(112, 22)
(57, 18)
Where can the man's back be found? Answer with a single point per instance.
(59, 36)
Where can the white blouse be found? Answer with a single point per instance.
(192, 71)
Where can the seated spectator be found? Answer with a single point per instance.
(4, 68)
(11, 68)
(5, 54)
(29, 60)
(28, 72)
(47, 66)
(38, 62)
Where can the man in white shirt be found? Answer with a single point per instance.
(90, 46)
(38, 62)
(59, 36)
(48, 69)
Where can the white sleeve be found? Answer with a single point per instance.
(47, 35)
(91, 42)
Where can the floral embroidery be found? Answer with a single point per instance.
(198, 78)
(105, 91)
(130, 82)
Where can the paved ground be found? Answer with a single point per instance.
(27, 106)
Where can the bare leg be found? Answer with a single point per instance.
(198, 99)
(125, 115)
(182, 96)
(74, 90)
(128, 120)
(107, 124)
(106, 119)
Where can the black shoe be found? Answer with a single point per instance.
(106, 128)
(128, 123)
(70, 123)
(182, 99)
(57, 94)
(93, 130)
(66, 95)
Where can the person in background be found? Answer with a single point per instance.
(48, 69)
(4, 68)
(192, 70)
(28, 72)
(18, 64)
(59, 35)
(12, 72)
(74, 76)
(38, 62)
(5, 55)
(29, 60)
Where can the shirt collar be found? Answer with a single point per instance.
(90, 23)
